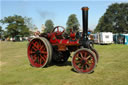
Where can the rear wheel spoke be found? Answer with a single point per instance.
(34, 44)
(42, 47)
(42, 57)
(82, 67)
(40, 60)
(31, 52)
(35, 49)
(43, 52)
(36, 60)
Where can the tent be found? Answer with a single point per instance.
(120, 39)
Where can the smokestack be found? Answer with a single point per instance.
(85, 22)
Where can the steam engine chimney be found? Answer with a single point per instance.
(85, 22)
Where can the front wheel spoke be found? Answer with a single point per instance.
(91, 61)
(88, 65)
(78, 56)
(85, 54)
(79, 65)
(88, 57)
(82, 66)
(81, 55)
(77, 61)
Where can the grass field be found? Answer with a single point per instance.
(112, 68)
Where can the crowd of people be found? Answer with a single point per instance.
(20, 38)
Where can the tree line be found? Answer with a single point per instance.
(16, 25)
(115, 20)
(23, 26)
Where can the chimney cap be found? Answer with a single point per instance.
(85, 8)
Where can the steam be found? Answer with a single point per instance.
(46, 14)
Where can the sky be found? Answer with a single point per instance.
(56, 10)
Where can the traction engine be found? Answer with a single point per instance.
(57, 46)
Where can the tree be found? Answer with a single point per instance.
(16, 26)
(72, 23)
(1, 32)
(29, 23)
(48, 26)
(115, 19)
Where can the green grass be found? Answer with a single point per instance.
(112, 68)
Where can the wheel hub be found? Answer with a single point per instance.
(83, 61)
(38, 52)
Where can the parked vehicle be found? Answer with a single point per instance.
(103, 38)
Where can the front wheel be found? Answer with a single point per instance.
(84, 61)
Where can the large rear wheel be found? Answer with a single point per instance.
(39, 53)
(84, 61)
(50, 51)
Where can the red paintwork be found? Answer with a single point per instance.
(62, 43)
(73, 35)
(54, 40)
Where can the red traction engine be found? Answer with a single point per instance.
(56, 46)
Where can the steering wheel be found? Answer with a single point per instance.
(58, 32)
